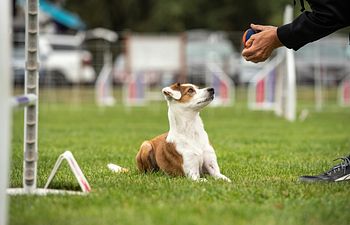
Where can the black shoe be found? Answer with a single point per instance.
(340, 172)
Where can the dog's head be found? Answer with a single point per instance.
(188, 96)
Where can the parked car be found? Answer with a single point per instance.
(62, 60)
(67, 60)
(18, 65)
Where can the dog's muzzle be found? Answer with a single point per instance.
(210, 97)
(211, 91)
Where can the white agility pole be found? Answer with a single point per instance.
(5, 109)
(318, 78)
(290, 113)
(31, 87)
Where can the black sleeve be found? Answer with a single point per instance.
(326, 17)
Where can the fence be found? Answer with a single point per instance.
(199, 44)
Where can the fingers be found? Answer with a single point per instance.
(260, 45)
(259, 28)
(249, 49)
(249, 55)
(255, 59)
(246, 53)
(249, 43)
(251, 58)
(254, 55)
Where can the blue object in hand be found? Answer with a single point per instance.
(247, 34)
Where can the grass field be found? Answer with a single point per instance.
(262, 154)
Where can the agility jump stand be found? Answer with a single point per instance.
(30, 102)
(134, 90)
(344, 92)
(220, 81)
(273, 87)
(104, 83)
(264, 88)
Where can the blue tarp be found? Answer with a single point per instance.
(61, 16)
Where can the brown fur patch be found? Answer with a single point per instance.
(145, 158)
(158, 154)
(187, 91)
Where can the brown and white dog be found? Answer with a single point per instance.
(185, 149)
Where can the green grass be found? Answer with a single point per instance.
(262, 154)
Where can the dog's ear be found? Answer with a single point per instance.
(170, 93)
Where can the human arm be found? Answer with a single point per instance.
(326, 17)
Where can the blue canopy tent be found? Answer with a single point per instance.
(62, 16)
(59, 15)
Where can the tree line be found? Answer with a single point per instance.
(177, 15)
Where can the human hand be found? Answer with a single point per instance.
(260, 45)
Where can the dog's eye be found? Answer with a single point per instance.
(191, 90)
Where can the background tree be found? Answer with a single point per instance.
(179, 15)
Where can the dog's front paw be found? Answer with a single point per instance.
(223, 177)
(201, 180)
(196, 177)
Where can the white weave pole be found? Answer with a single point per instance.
(290, 107)
(31, 87)
(5, 109)
(29, 101)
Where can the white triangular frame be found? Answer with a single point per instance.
(79, 176)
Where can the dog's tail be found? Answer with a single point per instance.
(145, 158)
(117, 169)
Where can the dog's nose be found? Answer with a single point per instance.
(210, 90)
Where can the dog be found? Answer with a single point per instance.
(185, 150)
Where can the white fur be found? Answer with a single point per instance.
(188, 134)
(116, 169)
(172, 93)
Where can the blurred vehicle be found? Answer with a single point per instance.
(18, 65)
(329, 55)
(204, 46)
(66, 61)
(62, 60)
